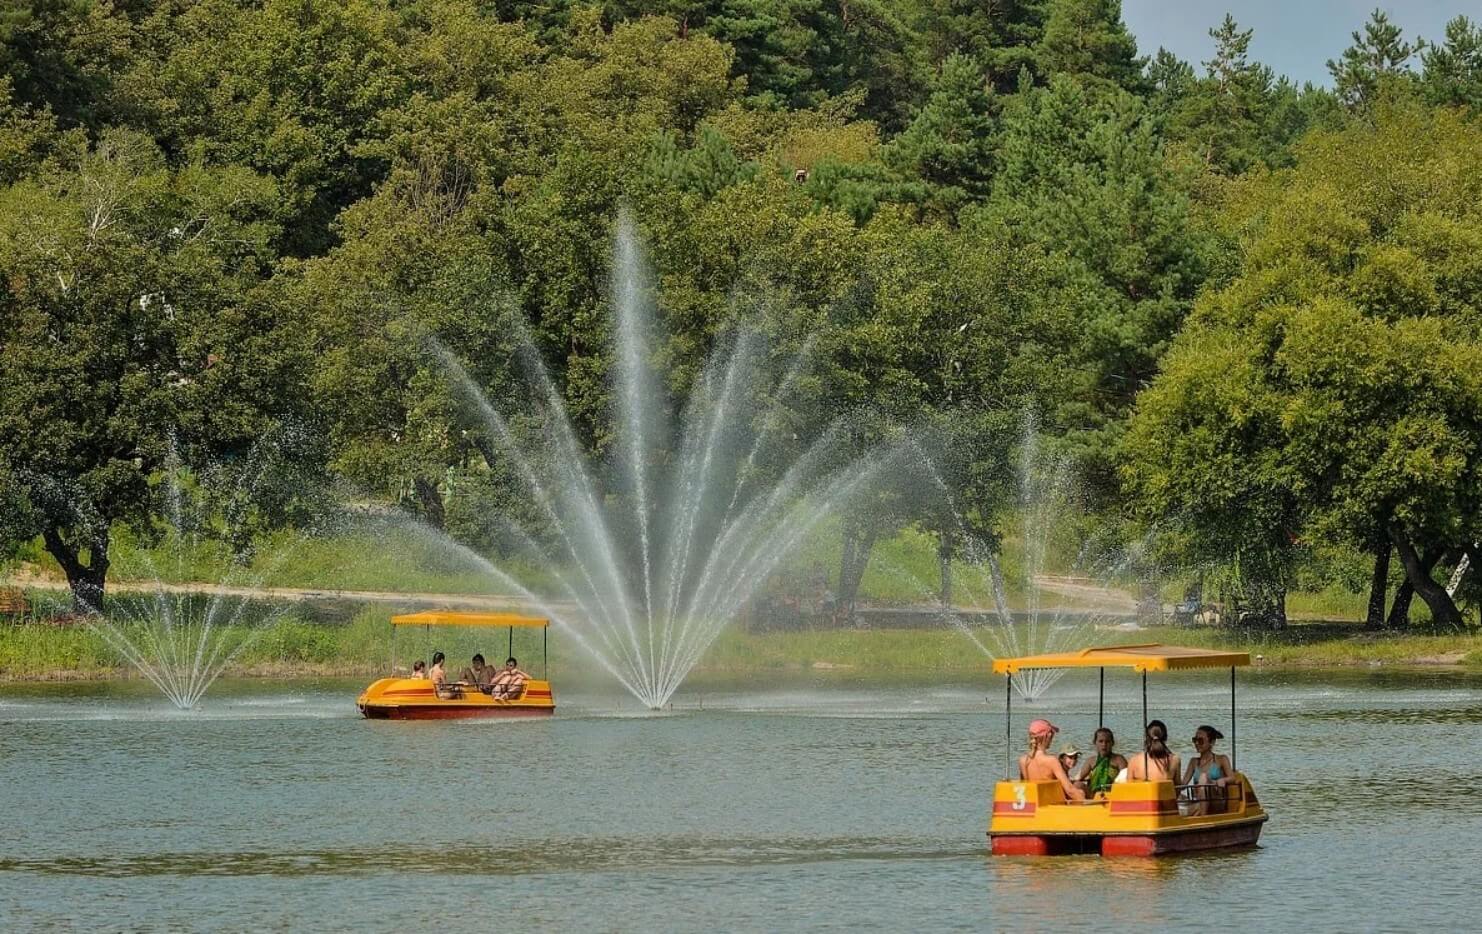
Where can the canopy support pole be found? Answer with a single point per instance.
(511, 643)
(1008, 726)
(1101, 701)
(393, 648)
(545, 657)
(1144, 702)
(1232, 719)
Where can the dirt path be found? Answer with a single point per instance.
(1087, 593)
(295, 594)
(1082, 593)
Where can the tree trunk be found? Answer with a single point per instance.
(944, 564)
(86, 580)
(856, 556)
(1399, 611)
(431, 500)
(1378, 586)
(1443, 608)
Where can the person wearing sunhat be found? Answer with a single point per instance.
(1069, 756)
(1038, 765)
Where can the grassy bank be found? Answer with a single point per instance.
(903, 570)
(362, 645)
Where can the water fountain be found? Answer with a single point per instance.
(181, 635)
(700, 504)
(1045, 623)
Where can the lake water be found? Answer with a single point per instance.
(763, 805)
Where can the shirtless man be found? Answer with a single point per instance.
(479, 674)
(1038, 765)
(508, 683)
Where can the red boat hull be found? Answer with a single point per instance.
(1181, 841)
(446, 712)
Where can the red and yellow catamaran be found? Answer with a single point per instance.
(419, 699)
(1134, 818)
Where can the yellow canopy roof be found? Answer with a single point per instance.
(450, 618)
(1148, 657)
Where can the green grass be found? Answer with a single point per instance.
(362, 645)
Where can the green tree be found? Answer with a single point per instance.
(1088, 40)
(1331, 389)
(120, 328)
(1082, 177)
(949, 144)
(1451, 73)
(1378, 59)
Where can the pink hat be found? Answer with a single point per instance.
(1042, 728)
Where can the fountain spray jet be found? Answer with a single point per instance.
(708, 504)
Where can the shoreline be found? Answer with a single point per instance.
(1347, 653)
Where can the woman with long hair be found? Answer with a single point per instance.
(1208, 768)
(1039, 765)
(1155, 763)
(1099, 774)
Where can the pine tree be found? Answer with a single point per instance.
(949, 143)
(1377, 58)
(1087, 39)
(1452, 71)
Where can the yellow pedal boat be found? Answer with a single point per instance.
(420, 699)
(1134, 818)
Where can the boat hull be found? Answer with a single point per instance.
(1149, 844)
(415, 699)
(1133, 819)
(410, 712)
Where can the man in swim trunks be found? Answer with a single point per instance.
(479, 674)
(510, 681)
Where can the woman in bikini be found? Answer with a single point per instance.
(1208, 768)
(1155, 763)
(1039, 765)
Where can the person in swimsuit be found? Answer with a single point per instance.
(510, 681)
(439, 677)
(1038, 765)
(478, 674)
(1208, 768)
(419, 669)
(1102, 771)
(1155, 763)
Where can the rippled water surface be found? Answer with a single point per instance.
(754, 806)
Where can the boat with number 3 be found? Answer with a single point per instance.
(1133, 818)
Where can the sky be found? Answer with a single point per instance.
(1295, 37)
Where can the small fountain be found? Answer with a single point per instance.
(703, 502)
(983, 616)
(181, 635)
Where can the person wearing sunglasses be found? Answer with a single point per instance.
(1206, 771)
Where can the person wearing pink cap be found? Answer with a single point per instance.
(1038, 765)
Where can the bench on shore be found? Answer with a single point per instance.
(13, 602)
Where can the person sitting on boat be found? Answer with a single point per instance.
(1037, 765)
(419, 670)
(510, 681)
(479, 674)
(439, 677)
(1209, 769)
(1102, 772)
(1069, 757)
(1155, 763)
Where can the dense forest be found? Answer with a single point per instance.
(1250, 311)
